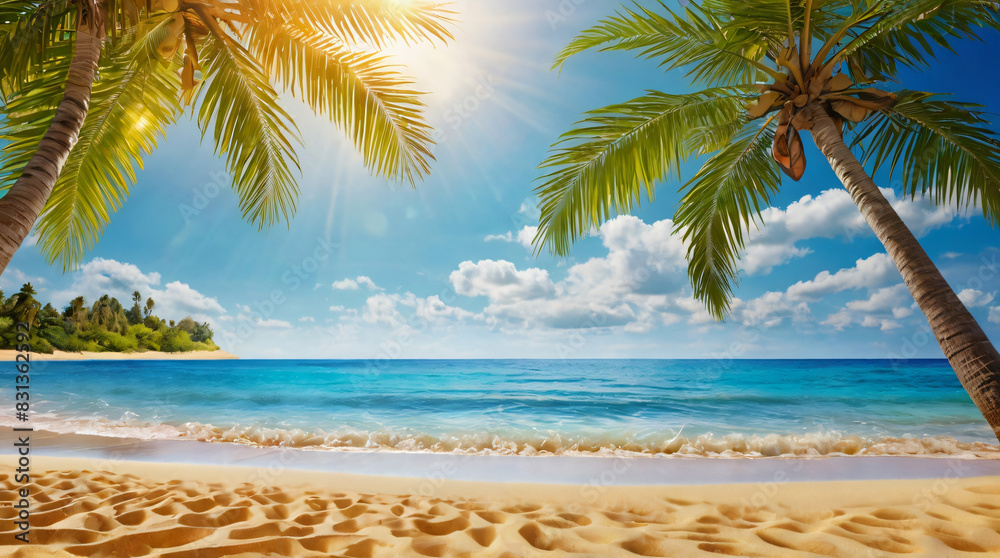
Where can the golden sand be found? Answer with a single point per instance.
(202, 511)
(9, 356)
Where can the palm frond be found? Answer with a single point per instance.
(132, 103)
(372, 22)
(249, 127)
(364, 95)
(33, 35)
(717, 54)
(722, 201)
(608, 159)
(768, 18)
(907, 33)
(944, 149)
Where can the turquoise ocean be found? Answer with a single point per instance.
(733, 408)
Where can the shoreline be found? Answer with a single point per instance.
(818, 445)
(9, 355)
(537, 469)
(129, 508)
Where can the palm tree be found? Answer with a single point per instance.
(26, 307)
(90, 86)
(770, 69)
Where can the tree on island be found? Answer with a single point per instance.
(101, 327)
(134, 314)
(25, 307)
(772, 69)
(91, 86)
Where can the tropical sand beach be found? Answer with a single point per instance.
(10, 355)
(82, 509)
(524, 357)
(213, 459)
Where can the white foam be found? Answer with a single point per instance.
(707, 445)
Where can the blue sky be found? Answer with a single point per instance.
(371, 270)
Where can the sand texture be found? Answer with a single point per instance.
(81, 513)
(9, 355)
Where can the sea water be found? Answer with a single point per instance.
(657, 407)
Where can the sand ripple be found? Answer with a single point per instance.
(104, 515)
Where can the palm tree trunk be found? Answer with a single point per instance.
(24, 201)
(974, 359)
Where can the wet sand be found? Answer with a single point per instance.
(129, 497)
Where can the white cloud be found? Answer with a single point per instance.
(14, 278)
(641, 276)
(271, 323)
(995, 314)
(105, 276)
(433, 309)
(869, 273)
(838, 320)
(501, 281)
(307, 319)
(770, 310)
(180, 297)
(505, 237)
(641, 283)
(355, 284)
(882, 323)
(881, 309)
(882, 300)
(631, 286)
(391, 310)
(524, 237)
(697, 313)
(902, 312)
(381, 309)
(830, 214)
(973, 298)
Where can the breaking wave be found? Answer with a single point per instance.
(816, 444)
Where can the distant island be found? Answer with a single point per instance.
(104, 326)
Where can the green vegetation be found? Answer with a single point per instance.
(762, 83)
(103, 326)
(91, 88)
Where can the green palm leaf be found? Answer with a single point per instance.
(131, 105)
(608, 159)
(942, 148)
(375, 105)
(906, 33)
(769, 18)
(371, 22)
(249, 127)
(32, 34)
(721, 202)
(718, 54)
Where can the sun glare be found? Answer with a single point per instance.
(142, 122)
